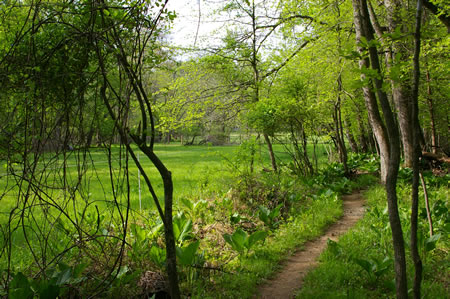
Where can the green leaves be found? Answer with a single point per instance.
(182, 228)
(430, 243)
(52, 287)
(374, 267)
(20, 287)
(254, 238)
(241, 241)
(157, 255)
(269, 216)
(186, 255)
(236, 240)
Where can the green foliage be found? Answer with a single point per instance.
(264, 116)
(269, 217)
(375, 268)
(360, 265)
(53, 286)
(20, 287)
(241, 241)
(182, 228)
(194, 209)
(186, 255)
(364, 162)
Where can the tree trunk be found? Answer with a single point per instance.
(427, 204)
(415, 183)
(171, 257)
(376, 123)
(364, 29)
(351, 139)
(401, 88)
(401, 95)
(363, 137)
(378, 128)
(431, 111)
(339, 135)
(271, 154)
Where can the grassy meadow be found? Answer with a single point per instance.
(198, 172)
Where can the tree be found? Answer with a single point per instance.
(246, 44)
(76, 61)
(391, 142)
(414, 117)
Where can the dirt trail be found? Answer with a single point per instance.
(290, 278)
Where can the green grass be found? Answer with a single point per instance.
(198, 172)
(313, 208)
(341, 276)
(242, 276)
(195, 170)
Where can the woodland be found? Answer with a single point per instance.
(131, 167)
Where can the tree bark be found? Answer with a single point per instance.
(171, 257)
(401, 88)
(339, 134)
(402, 95)
(271, 153)
(364, 29)
(427, 204)
(370, 99)
(415, 183)
(431, 111)
(350, 137)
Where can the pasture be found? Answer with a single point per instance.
(198, 172)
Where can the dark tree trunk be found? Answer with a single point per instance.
(364, 29)
(415, 183)
(431, 111)
(273, 161)
(171, 257)
(363, 137)
(350, 138)
(339, 133)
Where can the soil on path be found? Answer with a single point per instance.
(290, 278)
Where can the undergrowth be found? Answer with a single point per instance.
(309, 205)
(360, 264)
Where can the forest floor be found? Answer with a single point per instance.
(289, 279)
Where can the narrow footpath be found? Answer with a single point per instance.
(290, 278)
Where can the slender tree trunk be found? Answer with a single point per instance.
(431, 111)
(364, 29)
(350, 138)
(363, 137)
(415, 183)
(339, 136)
(271, 153)
(427, 204)
(171, 261)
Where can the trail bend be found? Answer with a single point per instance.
(289, 279)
